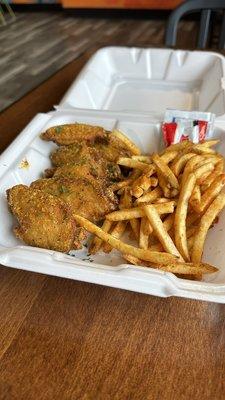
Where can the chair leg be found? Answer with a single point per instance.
(2, 18)
(222, 34)
(9, 9)
(204, 29)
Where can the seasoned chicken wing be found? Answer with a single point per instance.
(44, 220)
(70, 133)
(110, 150)
(103, 172)
(84, 196)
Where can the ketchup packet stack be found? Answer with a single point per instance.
(178, 126)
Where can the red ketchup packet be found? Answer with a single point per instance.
(178, 126)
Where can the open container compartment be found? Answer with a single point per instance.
(109, 270)
(149, 81)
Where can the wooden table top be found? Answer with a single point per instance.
(65, 340)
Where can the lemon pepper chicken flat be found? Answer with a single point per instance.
(84, 168)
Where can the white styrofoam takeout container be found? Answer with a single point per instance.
(110, 269)
(123, 79)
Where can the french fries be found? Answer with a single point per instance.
(138, 212)
(205, 223)
(128, 143)
(147, 255)
(168, 203)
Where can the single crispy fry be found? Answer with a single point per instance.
(168, 222)
(146, 159)
(125, 199)
(187, 187)
(135, 226)
(133, 260)
(140, 186)
(96, 243)
(124, 248)
(150, 197)
(169, 156)
(195, 198)
(210, 178)
(160, 231)
(203, 170)
(191, 230)
(206, 221)
(119, 229)
(117, 232)
(201, 148)
(144, 233)
(168, 175)
(161, 200)
(129, 162)
(176, 268)
(189, 167)
(122, 184)
(211, 193)
(179, 163)
(163, 184)
(190, 242)
(129, 144)
(177, 146)
(210, 143)
(185, 268)
(181, 214)
(138, 212)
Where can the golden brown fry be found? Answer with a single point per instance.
(168, 222)
(165, 171)
(210, 143)
(138, 212)
(142, 184)
(135, 226)
(187, 187)
(147, 255)
(122, 184)
(160, 231)
(169, 156)
(202, 149)
(195, 198)
(211, 193)
(144, 233)
(180, 161)
(190, 242)
(129, 162)
(210, 178)
(178, 146)
(161, 200)
(117, 232)
(176, 268)
(129, 144)
(206, 221)
(146, 159)
(191, 230)
(185, 268)
(96, 243)
(150, 197)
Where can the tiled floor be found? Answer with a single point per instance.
(38, 44)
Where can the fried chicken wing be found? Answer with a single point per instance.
(84, 196)
(71, 133)
(104, 172)
(44, 220)
(109, 150)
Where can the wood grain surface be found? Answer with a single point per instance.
(67, 340)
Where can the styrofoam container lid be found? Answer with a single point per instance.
(149, 81)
